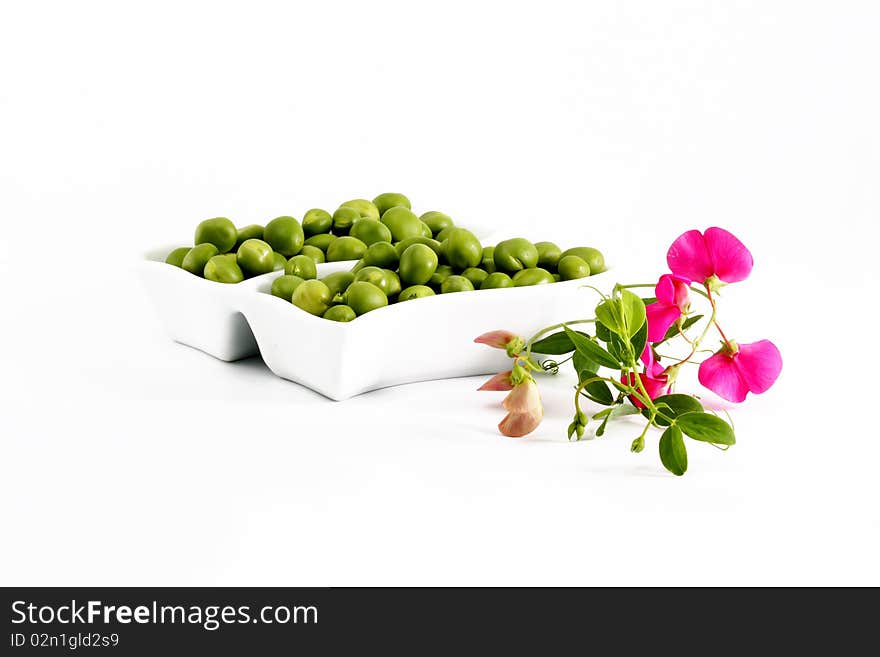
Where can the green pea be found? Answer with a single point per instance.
(374, 275)
(369, 231)
(403, 245)
(316, 222)
(177, 255)
(340, 313)
(402, 223)
(441, 274)
(487, 260)
(313, 252)
(283, 286)
(322, 241)
(218, 231)
(223, 270)
(346, 248)
(495, 280)
(312, 296)
(571, 267)
(279, 262)
(302, 266)
(388, 200)
(417, 264)
(516, 254)
(394, 284)
(548, 255)
(197, 257)
(285, 235)
(532, 276)
(363, 297)
(437, 221)
(475, 275)
(380, 254)
(338, 281)
(343, 219)
(462, 249)
(443, 234)
(556, 278)
(364, 207)
(252, 232)
(255, 257)
(415, 292)
(591, 256)
(456, 284)
(426, 229)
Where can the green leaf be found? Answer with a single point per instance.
(599, 392)
(617, 348)
(706, 427)
(605, 412)
(555, 345)
(624, 315)
(632, 312)
(649, 300)
(592, 351)
(583, 366)
(602, 332)
(639, 340)
(673, 330)
(673, 453)
(608, 315)
(677, 404)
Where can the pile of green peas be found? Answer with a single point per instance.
(401, 256)
(226, 254)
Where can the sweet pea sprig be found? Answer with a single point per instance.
(626, 333)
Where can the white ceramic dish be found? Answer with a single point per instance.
(204, 314)
(418, 340)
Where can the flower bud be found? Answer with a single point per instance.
(515, 346)
(638, 444)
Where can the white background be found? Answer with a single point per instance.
(127, 459)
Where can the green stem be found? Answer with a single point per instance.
(549, 329)
(583, 384)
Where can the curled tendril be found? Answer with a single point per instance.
(550, 366)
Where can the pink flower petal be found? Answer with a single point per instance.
(500, 381)
(525, 410)
(665, 290)
(654, 386)
(720, 375)
(688, 257)
(732, 260)
(652, 368)
(517, 425)
(524, 398)
(682, 297)
(497, 339)
(759, 365)
(660, 317)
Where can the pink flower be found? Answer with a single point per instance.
(654, 379)
(737, 370)
(524, 410)
(673, 299)
(498, 339)
(698, 256)
(500, 381)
